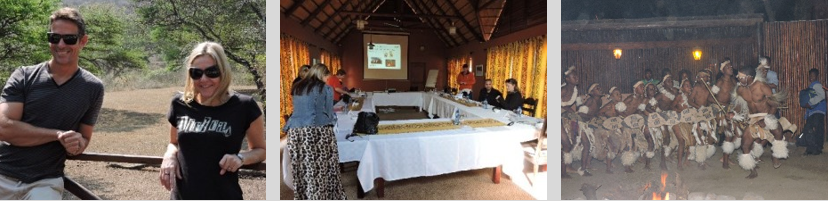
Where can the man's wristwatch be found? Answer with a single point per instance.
(240, 158)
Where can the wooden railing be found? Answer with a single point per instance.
(81, 192)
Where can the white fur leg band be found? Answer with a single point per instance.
(611, 155)
(628, 158)
(692, 153)
(567, 158)
(701, 153)
(737, 143)
(711, 150)
(650, 154)
(779, 148)
(747, 162)
(758, 150)
(728, 147)
(667, 150)
(642, 107)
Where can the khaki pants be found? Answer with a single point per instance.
(44, 189)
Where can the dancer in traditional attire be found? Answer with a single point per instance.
(571, 136)
(617, 139)
(762, 124)
(633, 125)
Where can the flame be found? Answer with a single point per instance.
(656, 196)
(667, 197)
(663, 180)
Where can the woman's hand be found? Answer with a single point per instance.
(230, 163)
(169, 171)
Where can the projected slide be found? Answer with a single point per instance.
(385, 56)
(387, 59)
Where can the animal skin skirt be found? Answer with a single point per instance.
(313, 151)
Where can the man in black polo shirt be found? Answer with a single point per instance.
(489, 94)
(61, 102)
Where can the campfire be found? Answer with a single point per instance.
(663, 192)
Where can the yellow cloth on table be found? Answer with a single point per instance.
(434, 126)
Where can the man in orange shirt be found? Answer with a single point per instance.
(336, 83)
(466, 81)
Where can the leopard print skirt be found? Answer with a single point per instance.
(313, 151)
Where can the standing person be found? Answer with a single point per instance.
(336, 83)
(514, 99)
(302, 72)
(648, 76)
(815, 116)
(48, 111)
(466, 80)
(311, 140)
(771, 76)
(489, 94)
(208, 125)
(763, 125)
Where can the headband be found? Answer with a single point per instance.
(683, 81)
(591, 87)
(568, 71)
(612, 89)
(665, 78)
(723, 65)
(637, 84)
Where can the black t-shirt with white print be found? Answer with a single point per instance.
(205, 135)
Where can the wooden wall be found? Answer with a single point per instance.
(795, 48)
(601, 66)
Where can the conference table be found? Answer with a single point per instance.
(408, 155)
(390, 157)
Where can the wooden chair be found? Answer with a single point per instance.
(535, 152)
(530, 106)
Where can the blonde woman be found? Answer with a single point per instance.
(208, 124)
(311, 140)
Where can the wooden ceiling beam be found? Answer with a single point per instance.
(398, 15)
(344, 19)
(330, 18)
(293, 7)
(315, 12)
(376, 5)
(440, 9)
(451, 43)
(466, 22)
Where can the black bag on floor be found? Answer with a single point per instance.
(366, 123)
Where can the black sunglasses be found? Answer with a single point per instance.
(211, 72)
(69, 39)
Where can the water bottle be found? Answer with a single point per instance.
(485, 104)
(519, 111)
(456, 119)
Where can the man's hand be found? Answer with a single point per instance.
(72, 141)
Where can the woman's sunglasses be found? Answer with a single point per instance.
(69, 39)
(211, 72)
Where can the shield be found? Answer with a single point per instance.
(655, 120)
(613, 123)
(688, 115)
(671, 118)
(705, 114)
(634, 121)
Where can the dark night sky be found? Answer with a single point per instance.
(785, 10)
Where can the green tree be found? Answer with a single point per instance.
(110, 50)
(239, 25)
(23, 27)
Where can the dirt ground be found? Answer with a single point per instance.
(799, 178)
(133, 122)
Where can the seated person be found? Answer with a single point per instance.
(513, 98)
(489, 94)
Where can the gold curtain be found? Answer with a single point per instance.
(524, 61)
(455, 65)
(333, 61)
(293, 53)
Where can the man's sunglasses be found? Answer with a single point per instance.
(69, 39)
(211, 72)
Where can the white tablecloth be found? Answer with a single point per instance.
(401, 156)
(398, 99)
(409, 155)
